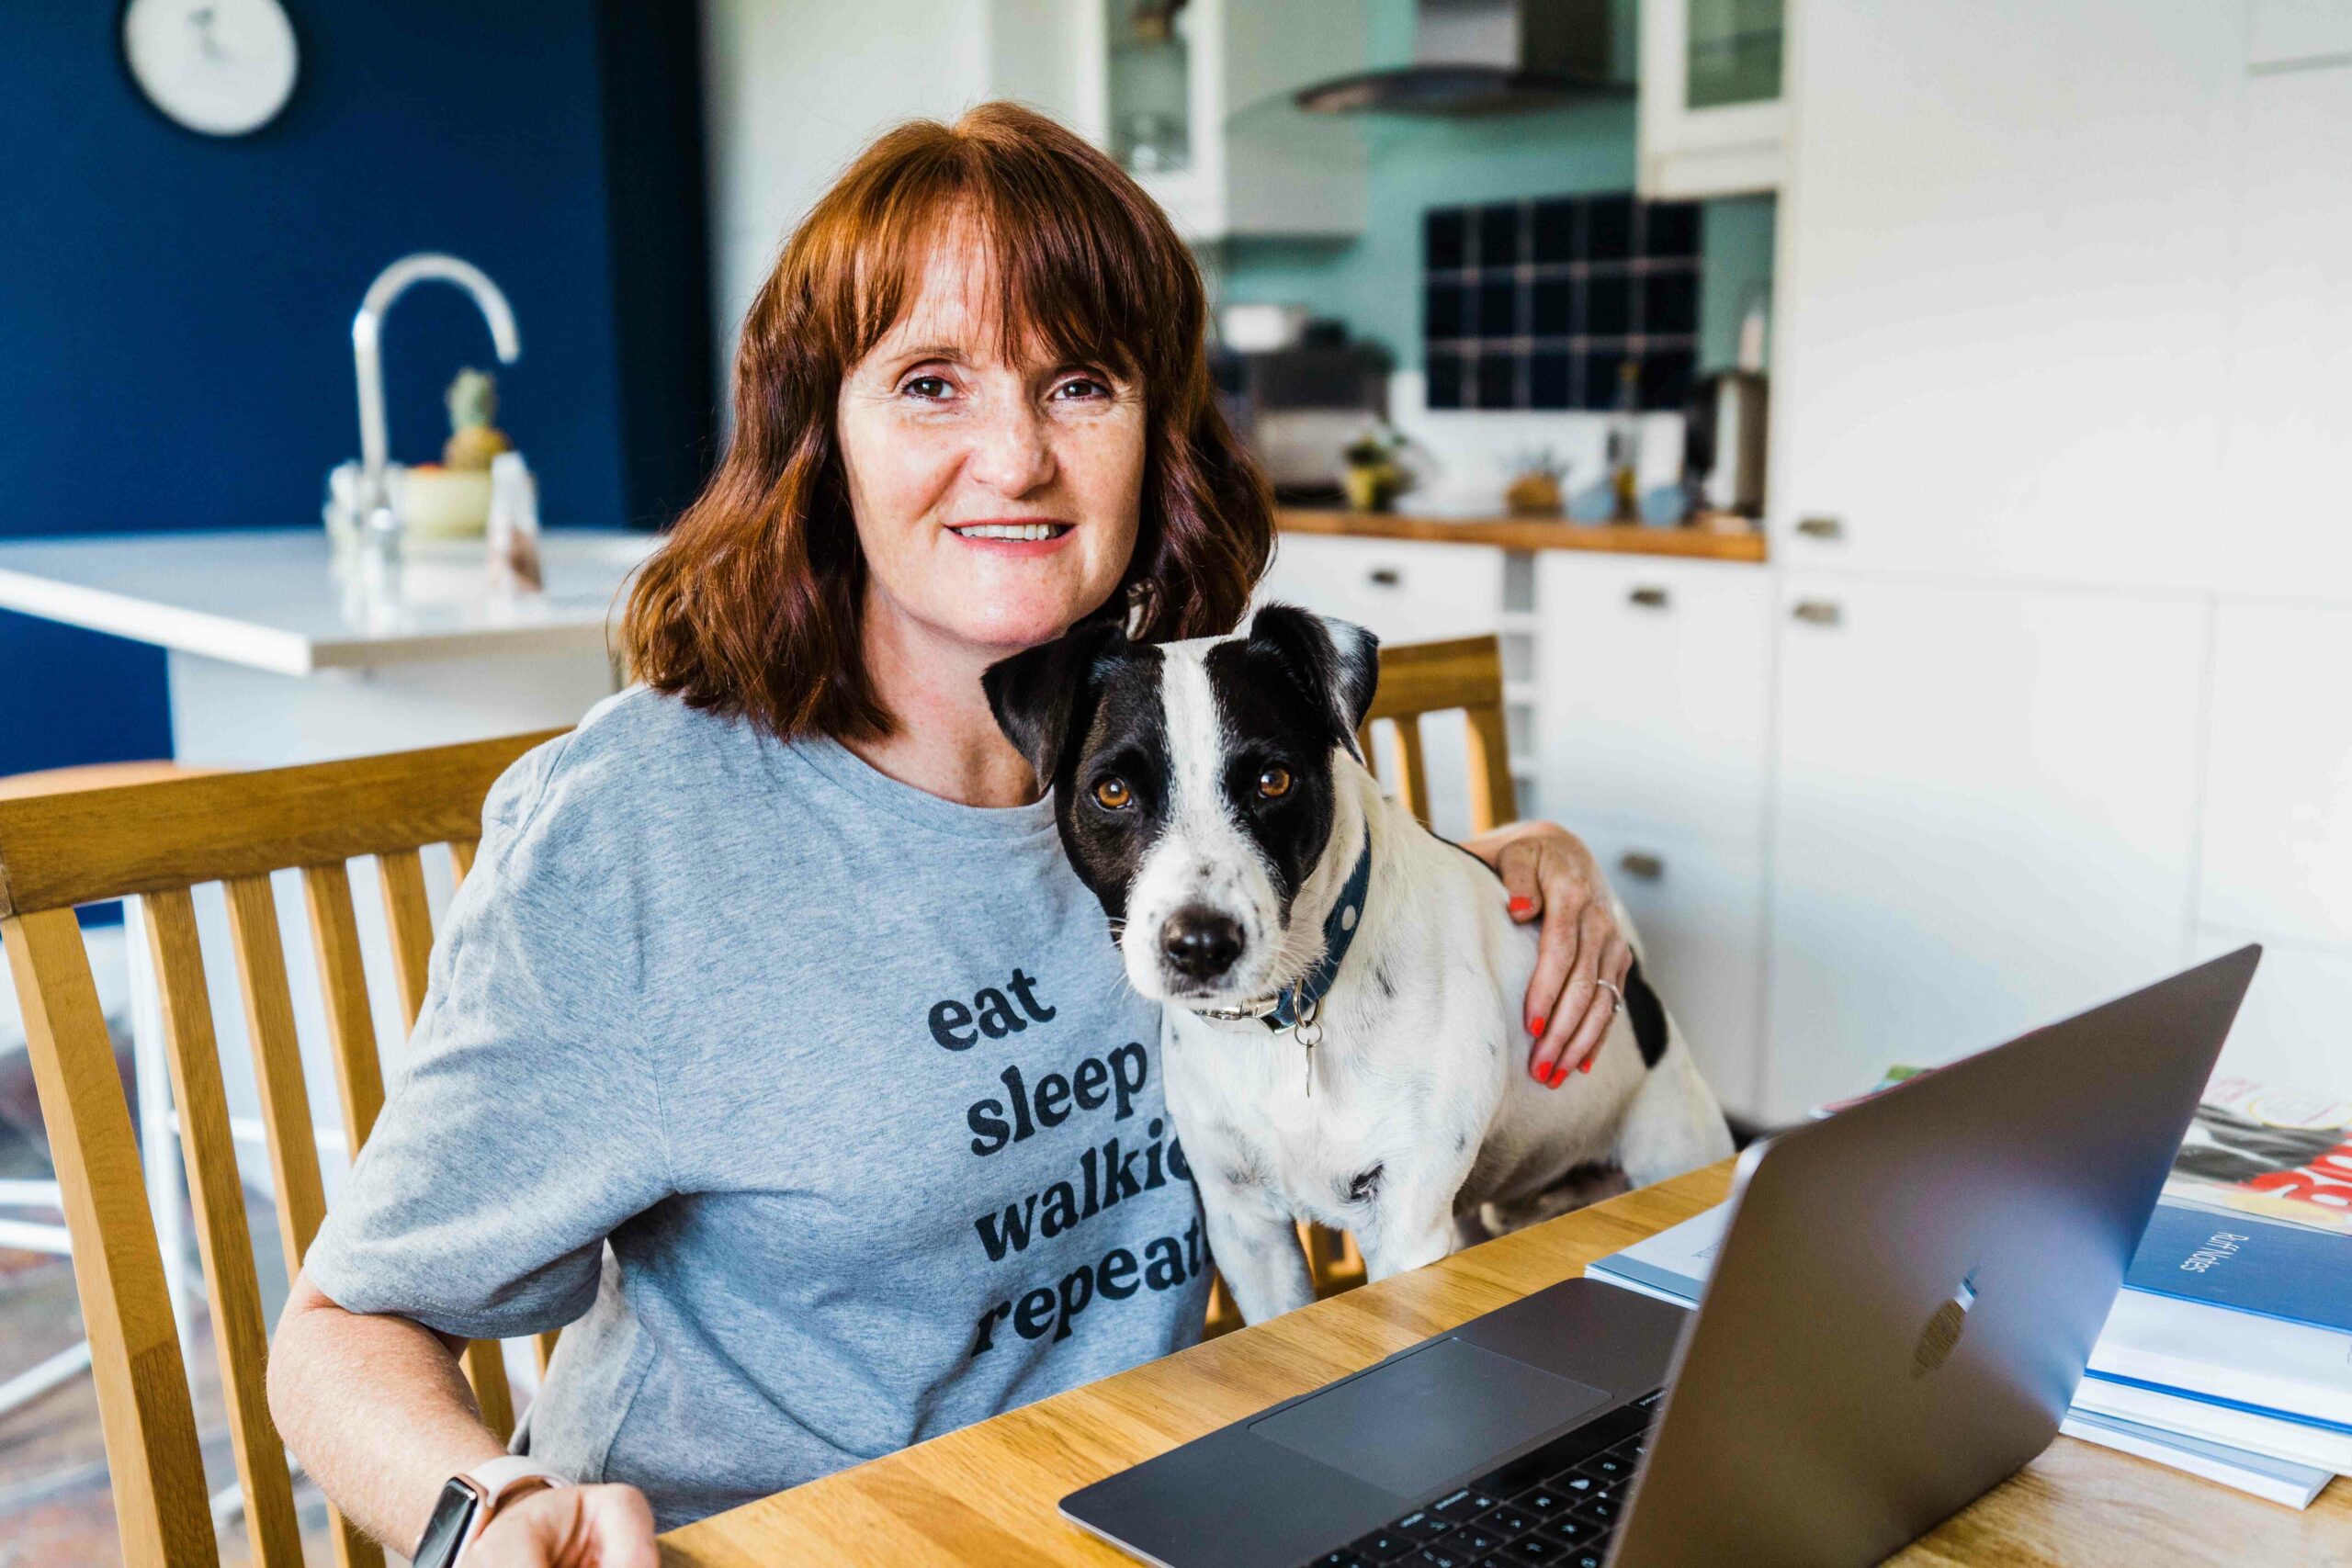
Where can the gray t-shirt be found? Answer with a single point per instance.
(847, 1075)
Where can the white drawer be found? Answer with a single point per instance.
(2277, 854)
(1698, 905)
(1654, 693)
(1402, 591)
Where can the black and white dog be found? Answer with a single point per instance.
(1340, 1039)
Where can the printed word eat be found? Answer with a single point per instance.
(953, 1023)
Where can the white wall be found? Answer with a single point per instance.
(793, 89)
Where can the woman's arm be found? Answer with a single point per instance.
(380, 1413)
(1551, 874)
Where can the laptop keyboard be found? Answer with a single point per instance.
(1554, 1505)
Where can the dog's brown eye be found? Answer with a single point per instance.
(1274, 782)
(1112, 795)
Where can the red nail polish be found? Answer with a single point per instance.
(1535, 1025)
(1586, 1065)
(1522, 905)
(1559, 1076)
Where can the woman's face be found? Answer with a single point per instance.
(996, 502)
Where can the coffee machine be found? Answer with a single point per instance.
(1298, 403)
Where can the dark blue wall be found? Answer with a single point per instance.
(176, 310)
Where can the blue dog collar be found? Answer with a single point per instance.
(1339, 928)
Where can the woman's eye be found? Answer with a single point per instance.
(1098, 389)
(1273, 783)
(1112, 795)
(930, 388)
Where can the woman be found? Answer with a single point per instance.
(770, 1045)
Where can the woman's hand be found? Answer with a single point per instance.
(571, 1527)
(1551, 875)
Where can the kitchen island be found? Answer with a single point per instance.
(278, 653)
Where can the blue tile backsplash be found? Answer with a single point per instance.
(1535, 304)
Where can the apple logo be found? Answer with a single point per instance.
(1935, 1340)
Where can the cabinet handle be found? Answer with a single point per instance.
(1820, 527)
(1647, 598)
(1383, 577)
(1635, 862)
(1817, 612)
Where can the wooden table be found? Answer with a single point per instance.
(987, 1493)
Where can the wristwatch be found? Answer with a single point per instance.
(469, 1501)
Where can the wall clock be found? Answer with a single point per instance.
(218, 67)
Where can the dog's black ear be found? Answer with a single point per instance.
(1335, 664)
(1035, 693)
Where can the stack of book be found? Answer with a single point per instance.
(2228, 1353)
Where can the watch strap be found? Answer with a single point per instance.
(495, 1481)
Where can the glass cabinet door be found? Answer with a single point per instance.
(1731, 52)
(1150, 85)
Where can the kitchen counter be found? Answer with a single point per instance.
(1525, 533)
(270, 598)
(276, 656)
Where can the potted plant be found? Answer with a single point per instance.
(1374, 474)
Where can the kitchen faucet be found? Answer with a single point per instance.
(367, 350)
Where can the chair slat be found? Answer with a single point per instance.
(1412, 768)
(239, 1331)
(1494, 796)
(486, 1369)
(409, 916)
(342, 983)
(277, 1064)
(461, 858)
(162, 1506)
(545, 1344)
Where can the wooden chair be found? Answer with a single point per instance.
(46, 1197)
(1463, 674)
(156, 842)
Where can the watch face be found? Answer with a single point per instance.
(448, 1530)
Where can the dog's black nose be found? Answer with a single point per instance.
(1200, 943)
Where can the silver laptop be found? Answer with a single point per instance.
(1898, 1316)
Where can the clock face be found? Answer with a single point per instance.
(221, 67)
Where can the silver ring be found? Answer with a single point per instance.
(1616, 997)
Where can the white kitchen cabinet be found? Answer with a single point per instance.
(2277, 852)
(2004, 286)
(1712, 120)
(1652, 702)
(1654, 695)
(2287, 405)
(1402, 591)
(1197, 107)
(1698, 905)
(1985, 817)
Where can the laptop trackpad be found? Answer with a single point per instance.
(1409, 1425)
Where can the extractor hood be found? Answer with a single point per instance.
(1472, 57)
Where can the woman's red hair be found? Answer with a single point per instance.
(754, 605)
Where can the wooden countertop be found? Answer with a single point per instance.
(1525, 533)
(987, 1493)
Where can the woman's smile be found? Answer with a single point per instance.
(1015, 535)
